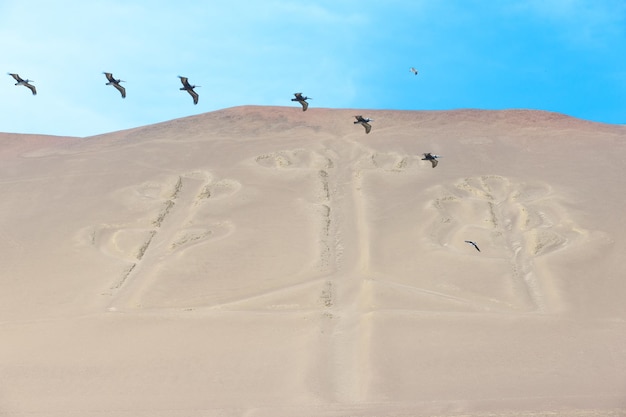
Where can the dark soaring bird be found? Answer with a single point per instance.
(432, 158)
(25, 83)
(115, 83)
(302, 100)
(189, 88)
(364, 121)
(473, 244)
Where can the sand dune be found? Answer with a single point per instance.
(263, 261)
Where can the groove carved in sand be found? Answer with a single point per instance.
(176, 223)
(319, 167)
(388, 161)
(179, 223)
(513, 222)
(335, 190)
(294, 159)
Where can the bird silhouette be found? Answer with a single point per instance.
(25, 83)
(189, 88)
(432, 158)
(473, 244)
(115, 83)
(364, 121)
(302, 100)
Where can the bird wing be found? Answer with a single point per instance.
(109, 76)
(32, 88)
(305, 105)
(194, 95)
(121, 89)
(367, 127)
(16, 77)
(184, 80)
(434, 162)
(473, 244)
(298, 96)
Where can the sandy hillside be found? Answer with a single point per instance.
(264, 261)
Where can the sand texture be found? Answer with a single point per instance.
(265, 261)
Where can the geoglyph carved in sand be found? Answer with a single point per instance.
(515, 224)
(175, 202)
(339, 208)
(318, 167)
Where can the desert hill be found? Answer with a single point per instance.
(266, 261)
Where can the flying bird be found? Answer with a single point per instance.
(25, 83)
(189, 88)
(473, 244)
(413, 70)
(302, 100)
(115, 83)
(432, 158)
(364, 121)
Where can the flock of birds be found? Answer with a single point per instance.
(114, 82)
(365, 122)
(189, 88)
(298, 97)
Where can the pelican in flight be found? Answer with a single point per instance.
(413, 70)
(189, 88)
(364, 121)
(25, 83)
(473, 244)
(115, 83)
(302, 100)
(432, 158)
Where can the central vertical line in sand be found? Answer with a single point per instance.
(348, 340)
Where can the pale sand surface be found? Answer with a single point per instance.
(264, 261)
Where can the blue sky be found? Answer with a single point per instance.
(566, 56)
